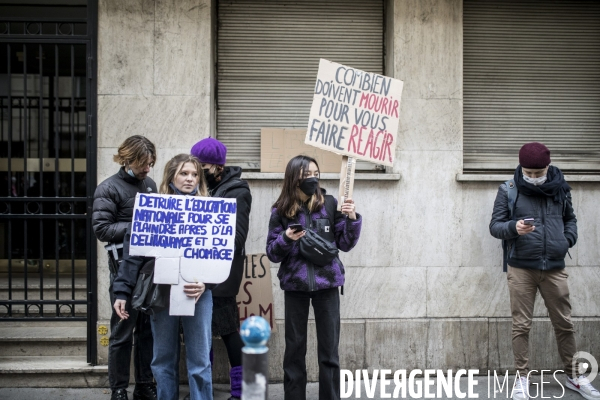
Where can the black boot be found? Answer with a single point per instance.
(119, 394)
(144, 391)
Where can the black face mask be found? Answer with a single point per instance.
(211, 179)
(309, 186)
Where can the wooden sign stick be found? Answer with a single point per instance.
(346, 180)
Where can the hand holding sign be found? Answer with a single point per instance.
(349, 208)
(194, 290)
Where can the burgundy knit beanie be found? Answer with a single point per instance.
(534, 155)
(210, 151)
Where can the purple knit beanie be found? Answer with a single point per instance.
(210, 151)
(534, 155)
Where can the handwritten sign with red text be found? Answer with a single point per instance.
(355, 113)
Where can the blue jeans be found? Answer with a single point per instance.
(198, 338)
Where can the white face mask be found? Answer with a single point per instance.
(535, 181)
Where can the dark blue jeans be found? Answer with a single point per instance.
(326, 306)
(134, 331)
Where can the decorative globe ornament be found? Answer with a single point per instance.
(255, 332)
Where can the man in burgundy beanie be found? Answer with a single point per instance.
(538, 226)
(226, 182)
(534, 155)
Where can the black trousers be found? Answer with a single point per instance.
(326, 306)
(134, 333)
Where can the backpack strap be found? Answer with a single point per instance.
(567, 199)
(512, 193)
(331, 208)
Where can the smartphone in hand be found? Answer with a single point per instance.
(528, 221)
(296, 227)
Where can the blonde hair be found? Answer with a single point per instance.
(136, 151)
(174, 166)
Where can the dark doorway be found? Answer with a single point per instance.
(48, 161)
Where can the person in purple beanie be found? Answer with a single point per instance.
(225, 181)
(303, 202)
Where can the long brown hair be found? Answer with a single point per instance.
(175, 165)
(289, 202)
(136, 151)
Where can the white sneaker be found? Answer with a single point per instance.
(584, 387)
(521, 389)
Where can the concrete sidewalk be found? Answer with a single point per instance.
(551, 389)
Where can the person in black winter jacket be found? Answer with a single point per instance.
(112, 214)
(226, 182)
(538, 232)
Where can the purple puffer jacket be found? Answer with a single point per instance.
(295, 273)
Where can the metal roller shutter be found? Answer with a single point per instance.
(268, 56)
(531, 73)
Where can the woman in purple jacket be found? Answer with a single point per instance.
(303, 201)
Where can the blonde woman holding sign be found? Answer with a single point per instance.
(182, 176)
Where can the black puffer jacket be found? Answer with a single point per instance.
(555, 230)
(233, 187)
(113, 205)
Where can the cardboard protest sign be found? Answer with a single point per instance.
(191, 237)
(355, 113)
(256, 293)
(279, 145)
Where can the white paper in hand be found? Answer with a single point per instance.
(181, 304)
(166, 271)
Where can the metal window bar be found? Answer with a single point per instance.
(72, 122)
(26, 154)
(35, 26)
(56, 177)
(9, 147)
(72, 147)
(41, 183)
(41, 113)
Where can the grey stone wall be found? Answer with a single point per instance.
(425, 288)
(154, 79)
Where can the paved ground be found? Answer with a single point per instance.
(552, 389)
